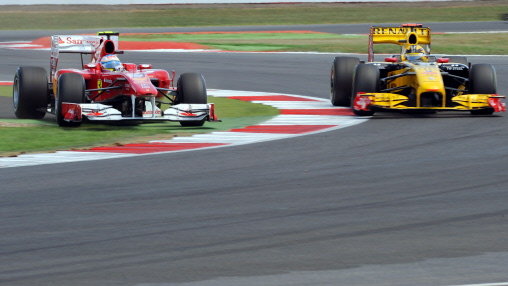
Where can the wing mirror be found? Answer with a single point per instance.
(144, 66)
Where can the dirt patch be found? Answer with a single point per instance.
(14, 124)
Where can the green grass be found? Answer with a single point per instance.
(82, 17)
(234, 36)
(494, 44)
(5, 90)
(22, 136)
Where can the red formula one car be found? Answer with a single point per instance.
(105, 90)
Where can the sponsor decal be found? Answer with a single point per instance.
(66, 41)
(454, 67)
(187, 114)
(400, 31)
(71, 112)
(362, 102)
(139, 75)
(95, 114)
(142, 80)
(150, 112)
(497, 104)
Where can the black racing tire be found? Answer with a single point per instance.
(191, 88)
(366, 79)
(192, 123)
(71, 88)
(30, 92)
(341, 80)
(482, 80)
(458, 60)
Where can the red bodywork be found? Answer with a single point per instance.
(138, 80)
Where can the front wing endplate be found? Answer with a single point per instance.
(393, 101)
(76, 112)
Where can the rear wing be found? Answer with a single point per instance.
(79, 44)
(407, 34)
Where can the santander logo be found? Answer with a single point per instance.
(78, 40)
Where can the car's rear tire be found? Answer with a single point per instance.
(71, 89)
(191, 88)
(482, 80)
(341, 79)
(458, 60)
(30, 92)
(366, 79)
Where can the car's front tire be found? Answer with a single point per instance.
(482, 80)
(191, 88)
(366, 79)
(341, 78)
(30, 92)
(71, 89)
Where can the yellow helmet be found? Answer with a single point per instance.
(415, 53)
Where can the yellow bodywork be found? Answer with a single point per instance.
(424, 78)
(421, 78)
(396, 101)
(399, 35)
(413, 81)
(404, 36)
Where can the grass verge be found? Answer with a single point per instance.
(484, 43)
(19, 136)
(94, 16)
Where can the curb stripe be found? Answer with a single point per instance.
(300, 115)
(284, 129)
(154, 147)
(231, 137)
(316, 112)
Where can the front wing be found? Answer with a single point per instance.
(77, 112)
(394, 102)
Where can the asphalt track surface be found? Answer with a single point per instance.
(398, 200)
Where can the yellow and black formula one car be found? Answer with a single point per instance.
(414, 80)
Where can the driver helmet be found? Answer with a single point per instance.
(111, 62)
(416, 53)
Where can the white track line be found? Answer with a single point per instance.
(227, 137)
(485, 284)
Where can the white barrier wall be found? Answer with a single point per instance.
(127, 2)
